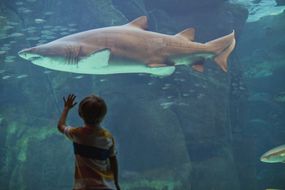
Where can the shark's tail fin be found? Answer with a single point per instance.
(222, 48)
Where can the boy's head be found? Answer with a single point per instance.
(92, 110)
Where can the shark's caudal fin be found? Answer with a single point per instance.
(222, 48)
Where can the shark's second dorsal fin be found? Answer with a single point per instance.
(188, 33)
(140, 22)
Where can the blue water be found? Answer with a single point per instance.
(186, 131)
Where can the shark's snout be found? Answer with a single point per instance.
(28, 54)
(263, 159)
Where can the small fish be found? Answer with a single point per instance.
(63, 29)
(13, 23)
(49, 37)
(31, 31)
(185, 94)
(72, 30)
(177, 72)
(47, 32)
(78, 77)
(30, 28)
(280, 97)
(16, 35)
(47, 26)
(200, 96)
(22, 76)
(71, 24)
(2, 52)
(64, 33)
(6, 77)
(8, 60)
(8, 27)
(2, 71)
(103, 80)
(165, 87)
(47, 13)
(26, 11)
(150, 83)
(33, 38)
(5, 49)
(42, 41)
(177, 79)
(39, 21)
(47, 72)
(19, 3)
(11, 57)
(166, 105)
(275, 155)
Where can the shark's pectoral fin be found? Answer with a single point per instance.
(95, 60)
(188, 33)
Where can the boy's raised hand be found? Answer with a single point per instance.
(69, 103)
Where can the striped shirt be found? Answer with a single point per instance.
(92, 148)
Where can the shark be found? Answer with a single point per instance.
(129, 48)
(275, 155)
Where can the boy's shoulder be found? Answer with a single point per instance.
(101, 132)
(105, 132)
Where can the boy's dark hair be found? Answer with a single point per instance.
(92, 109)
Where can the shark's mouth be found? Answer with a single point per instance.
(34, 58)
(28, 55)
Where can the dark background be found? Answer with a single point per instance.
(188, 131)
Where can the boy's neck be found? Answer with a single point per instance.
(92, 126)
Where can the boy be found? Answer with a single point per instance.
(95, 160)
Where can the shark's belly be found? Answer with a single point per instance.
(124, 66)
(113, 66)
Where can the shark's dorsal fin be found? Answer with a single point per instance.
(140, 22)
(188, 33)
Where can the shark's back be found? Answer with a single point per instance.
(131, 40)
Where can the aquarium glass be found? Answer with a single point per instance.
(194, 89)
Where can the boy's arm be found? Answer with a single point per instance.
(68, 104)
(114, 168)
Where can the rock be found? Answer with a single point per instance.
(183, 7)
(280, 2)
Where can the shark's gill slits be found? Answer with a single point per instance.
(72, 55)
